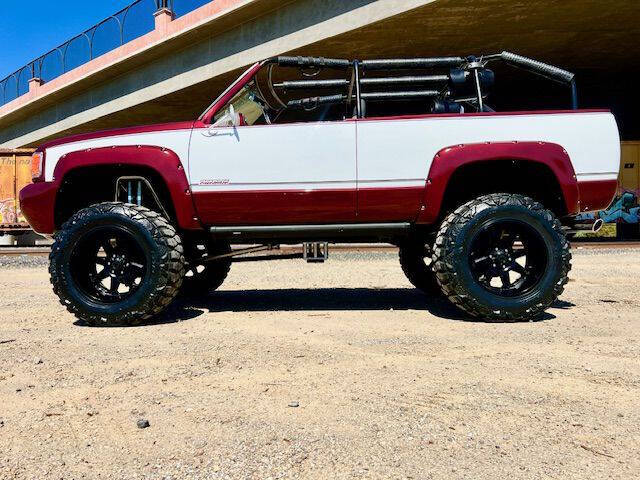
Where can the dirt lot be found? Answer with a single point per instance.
(389, 384)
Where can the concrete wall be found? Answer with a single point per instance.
(178, 77)
(290, 27)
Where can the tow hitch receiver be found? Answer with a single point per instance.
(315, 252)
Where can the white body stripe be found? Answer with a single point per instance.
(375, 153)
(404, 149)
(175, 140)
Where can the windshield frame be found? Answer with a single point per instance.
(230, 92)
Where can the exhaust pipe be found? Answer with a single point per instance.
(597, 225)
(582, 227)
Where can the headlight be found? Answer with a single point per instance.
(37, 166)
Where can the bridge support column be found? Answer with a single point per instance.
(163, 18)
(34, 84)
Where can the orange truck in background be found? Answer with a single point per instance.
(15, 173)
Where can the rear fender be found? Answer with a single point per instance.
(163, 161)
(449, 159)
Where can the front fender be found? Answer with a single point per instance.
(163, 161)
(449, 159)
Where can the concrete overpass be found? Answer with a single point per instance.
(173, 72)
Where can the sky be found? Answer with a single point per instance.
(29, 28)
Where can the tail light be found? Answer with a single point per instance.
(37, 166)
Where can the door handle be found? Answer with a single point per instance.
(215, 132)
(212, 132)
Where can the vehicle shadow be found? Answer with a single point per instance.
(322, 299)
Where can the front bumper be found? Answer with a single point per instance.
(37, 202)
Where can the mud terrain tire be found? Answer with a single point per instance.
(413, 255)
(473, 226)
(134, 244)
(204, 277)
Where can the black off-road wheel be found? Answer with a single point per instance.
(116, 264)
(502, 258)
(202, 276)
(416, 262)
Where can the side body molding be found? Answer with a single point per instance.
(163, 161)
(449, 159)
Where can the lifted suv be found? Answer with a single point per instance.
(316, 151)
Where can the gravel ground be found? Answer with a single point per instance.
(333, 371)
(21, 261)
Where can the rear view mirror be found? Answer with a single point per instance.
(234, 116)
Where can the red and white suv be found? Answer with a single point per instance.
(405, 151)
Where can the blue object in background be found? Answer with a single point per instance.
(625, 210)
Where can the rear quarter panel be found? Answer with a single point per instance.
(398, 153)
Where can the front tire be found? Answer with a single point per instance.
(502, 258)
(116, 264)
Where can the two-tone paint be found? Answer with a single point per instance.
(351, 171)
(374, 170)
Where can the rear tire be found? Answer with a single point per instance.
(116, 264)
(480, 251)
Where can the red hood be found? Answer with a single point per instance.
(118, 132)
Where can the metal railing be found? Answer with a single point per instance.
(133, 21)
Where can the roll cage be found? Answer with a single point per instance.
(449, 84)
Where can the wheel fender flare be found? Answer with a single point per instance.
(162, 161)
(449, 159)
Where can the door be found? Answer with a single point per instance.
(392, 169)
(274, 174)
